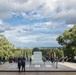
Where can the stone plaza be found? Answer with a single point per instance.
(47, 69)
(48, 66)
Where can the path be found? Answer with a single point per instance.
(47, 66)
(38, 73)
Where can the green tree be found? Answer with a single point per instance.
(17, 53)
(35, 49)
(6, 47)
(68, 40)
(59, 53)
(1, 53)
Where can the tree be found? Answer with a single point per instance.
(59, 53)
(1, 53)
(35, 49)
(17, 53)
(68, 40)
(6, 47)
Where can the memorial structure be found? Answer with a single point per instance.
(37, 56)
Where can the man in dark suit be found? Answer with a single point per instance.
(19, 64)
(23, 64)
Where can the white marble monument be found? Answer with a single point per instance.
(37, 58)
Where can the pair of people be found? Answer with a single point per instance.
(21, 63)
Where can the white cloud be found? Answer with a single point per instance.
(66, 11)
(50, 9)
(55, 10)
(30, 36)
(9, 6)
(0, 21)
(58, 13)
(21, 1)
(70, 25)
(38, 32)
(4, 27)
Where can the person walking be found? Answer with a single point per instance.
(3, 59)
(56, 62)
(23, 64)
(19, 64)
(30, 60)
(0, 59)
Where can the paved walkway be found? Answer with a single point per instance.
(48, 66)
(69, 64)
(38, 73)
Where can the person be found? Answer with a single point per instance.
(56, 62)
(3, 59)
(0, 60)
(10, 59)
(47, 58)
(52, 56)
(19, 64)
(23, 64)
(30, 60)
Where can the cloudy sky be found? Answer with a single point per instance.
(36, 23)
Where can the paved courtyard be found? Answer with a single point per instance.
(38, 73)
(48, 66)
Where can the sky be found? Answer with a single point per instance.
(36, 23)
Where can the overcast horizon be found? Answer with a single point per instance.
(36, 23)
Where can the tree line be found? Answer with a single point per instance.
(8, 50)
(68, 41)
